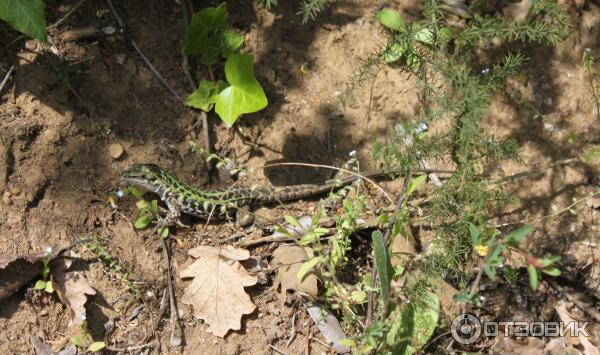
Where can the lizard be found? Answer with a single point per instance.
(181, 197)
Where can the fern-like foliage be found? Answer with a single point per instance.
(310, 9)
(453, 88)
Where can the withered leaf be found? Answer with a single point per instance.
(72, 289)
(288, 260)
(19, 270)
(217, 290)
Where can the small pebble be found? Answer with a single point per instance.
(109, 30)
(14, 190)
(115, 150)
(6, 199)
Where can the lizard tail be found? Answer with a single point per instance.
(297, 192)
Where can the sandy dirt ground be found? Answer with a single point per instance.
(56, 173)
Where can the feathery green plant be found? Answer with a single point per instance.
(455, 89)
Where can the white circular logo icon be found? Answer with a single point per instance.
(466, 329)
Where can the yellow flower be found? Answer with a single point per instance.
(482, 250)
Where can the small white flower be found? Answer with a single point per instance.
(485, 71)
(120, 193)
(352, 153)
(422, 127)
(48, 251)
(482, 298)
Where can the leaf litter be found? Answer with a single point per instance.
(72, 289)
(17, 271)
(288, 259)
(217, 290)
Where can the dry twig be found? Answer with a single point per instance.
(6, 77)
(176, 331)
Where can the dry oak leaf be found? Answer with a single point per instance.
(217, 291)
(288, 260)
(71, 288)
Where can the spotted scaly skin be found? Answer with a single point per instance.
(217, 204)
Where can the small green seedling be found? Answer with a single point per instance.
(85, 342)
(46, 283)
(148, 211)
(114, 265)
(211, 37)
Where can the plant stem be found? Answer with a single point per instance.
(593, 88)
(386, 237)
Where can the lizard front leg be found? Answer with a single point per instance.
(172, 216)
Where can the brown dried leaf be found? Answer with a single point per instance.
(71, 288)
(288, 259)
(217, 291)
(39, 346)
(19, 270)
(588, 347)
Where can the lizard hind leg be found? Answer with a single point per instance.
(243, 217)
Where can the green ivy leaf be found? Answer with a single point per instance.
(245, 95)
(204, 97)
(391, 19)
(413, 325)
(231, 41)
(26, 16)
(198, 38)
(384, 267)
(97, 346)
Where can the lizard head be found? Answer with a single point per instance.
(146, 176)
